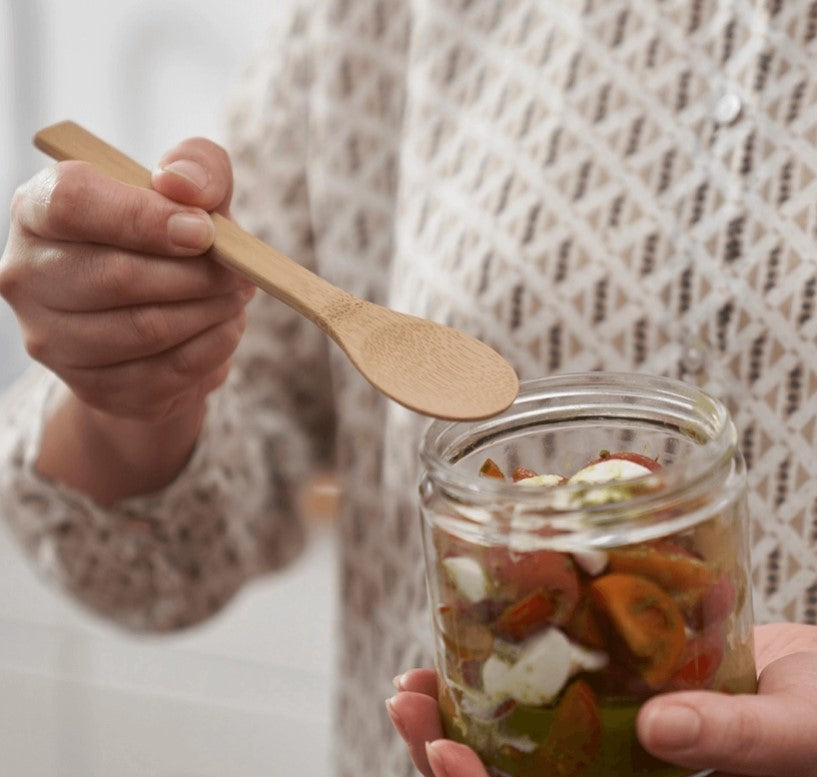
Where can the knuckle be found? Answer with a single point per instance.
(239, 323)
(36, 346)
(70, 192)
(191, 361)
(173, 405)
(228, 335)
(136, 218)
(13, 260)
(216, 378)
(114, 277)
(9, 278)
(181, 363)
(32, 198)
(745, 734)
(19, 201)
(150, 326)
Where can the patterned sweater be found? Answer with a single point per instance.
(594, 184)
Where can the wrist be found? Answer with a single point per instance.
(110, 458)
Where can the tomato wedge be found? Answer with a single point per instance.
(702, 657)
(574, 738)
(517, 574)
(490, 469)
(584, 626)
(646, 619)
(681, 574)
(525, 617)
(716, 603)
(466, 639)
(520, 473)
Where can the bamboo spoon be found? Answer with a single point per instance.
(427, 367)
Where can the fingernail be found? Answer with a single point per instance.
(672, 726)
(190, 171)
(190, 230)
(398, 682)
(396, 720)
(436, 760)
(247, 293)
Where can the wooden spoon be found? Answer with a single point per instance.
(427, 367)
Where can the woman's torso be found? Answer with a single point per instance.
(594, 185)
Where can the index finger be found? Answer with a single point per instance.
(76, 202)
(418, 681)
(416, 718)
(453, 760)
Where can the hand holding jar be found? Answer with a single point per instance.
(769, 734)
(570, 585)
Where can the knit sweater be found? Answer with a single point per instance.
(616, 184)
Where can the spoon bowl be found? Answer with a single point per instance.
(429, 368)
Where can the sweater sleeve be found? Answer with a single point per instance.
(166, 560)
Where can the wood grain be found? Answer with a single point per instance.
(427, 367)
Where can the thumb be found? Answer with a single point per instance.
(451, 759)
(773, 733)
(197, 172)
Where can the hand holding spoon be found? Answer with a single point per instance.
(427, 367)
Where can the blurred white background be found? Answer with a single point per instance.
(248, 693)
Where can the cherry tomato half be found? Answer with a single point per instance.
(584, 625)
(574, 737)
(680, 573)
(517, 574)
(525, 617)
(466, 639)
(700, 661)
(646, 619)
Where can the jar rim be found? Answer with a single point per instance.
(709, 422)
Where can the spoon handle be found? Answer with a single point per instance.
(269, 269)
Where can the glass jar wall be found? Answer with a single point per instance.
(585, 550)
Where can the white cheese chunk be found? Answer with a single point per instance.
(609, 469)
(495, 677)
(468, 576)
(593, 562)
(538, 675)
(584, 660)
(612, 475)
(542, 670)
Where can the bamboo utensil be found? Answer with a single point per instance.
(427, 367)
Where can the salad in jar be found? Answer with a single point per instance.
(546, 649)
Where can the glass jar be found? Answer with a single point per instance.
(585, 550)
